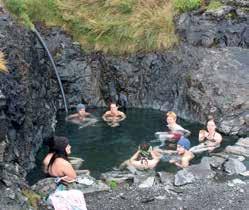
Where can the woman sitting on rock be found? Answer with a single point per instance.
(56, 162)
(209, 140)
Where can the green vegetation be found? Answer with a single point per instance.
(187, 5)
(33, 198)
(112, 26)
(3, 67)
(112, 184)
(214, 4)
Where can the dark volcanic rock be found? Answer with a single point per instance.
(192, 81)
(224, 27)
(26, 117)
(234, 166)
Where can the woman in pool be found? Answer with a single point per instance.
(56, 163)
(209, 140)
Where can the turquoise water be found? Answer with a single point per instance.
(103, 147)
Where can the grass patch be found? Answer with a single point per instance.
(112, 26)
(187, 5)
(3, 67)
(214, 4)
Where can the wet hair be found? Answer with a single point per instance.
(58, 147)
(171, 114)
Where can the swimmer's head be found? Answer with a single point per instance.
(80, 107)
(171, 117)
(113, 107)
(182, 145)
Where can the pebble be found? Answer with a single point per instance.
(238, 181)
(246, 173)
(161, 197)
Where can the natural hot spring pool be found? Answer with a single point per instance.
(103, 147)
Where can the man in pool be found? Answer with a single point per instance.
(183, 154)
(81, 116)
(183, 146)
(113, 116)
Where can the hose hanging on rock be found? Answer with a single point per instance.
(53, 64)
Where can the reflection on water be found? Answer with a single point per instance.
(103, 147)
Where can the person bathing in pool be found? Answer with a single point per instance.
(173, 127)
(185, 156)
(113, 116)
(209, 140)
(144, 158)
(81, 116)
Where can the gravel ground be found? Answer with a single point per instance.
(200, 195)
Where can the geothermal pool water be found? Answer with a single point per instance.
(103, 147)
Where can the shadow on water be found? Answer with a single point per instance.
(103, 147)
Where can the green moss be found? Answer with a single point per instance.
(33, 198)
(112, 184)
(214, 4)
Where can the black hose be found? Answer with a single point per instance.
(53, 64)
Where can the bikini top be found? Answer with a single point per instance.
(212, 138)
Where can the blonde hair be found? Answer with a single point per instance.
(171, 114)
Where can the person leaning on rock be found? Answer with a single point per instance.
(56, 163)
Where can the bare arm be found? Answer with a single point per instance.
(69, 172)
(183, 163)
(135, 156)
(105, 117)
(122, 115)
(202, 135)
(69, 117)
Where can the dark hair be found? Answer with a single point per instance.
(144, 146)
(57, 146)
(210, 118)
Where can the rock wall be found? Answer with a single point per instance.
(27, 108)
